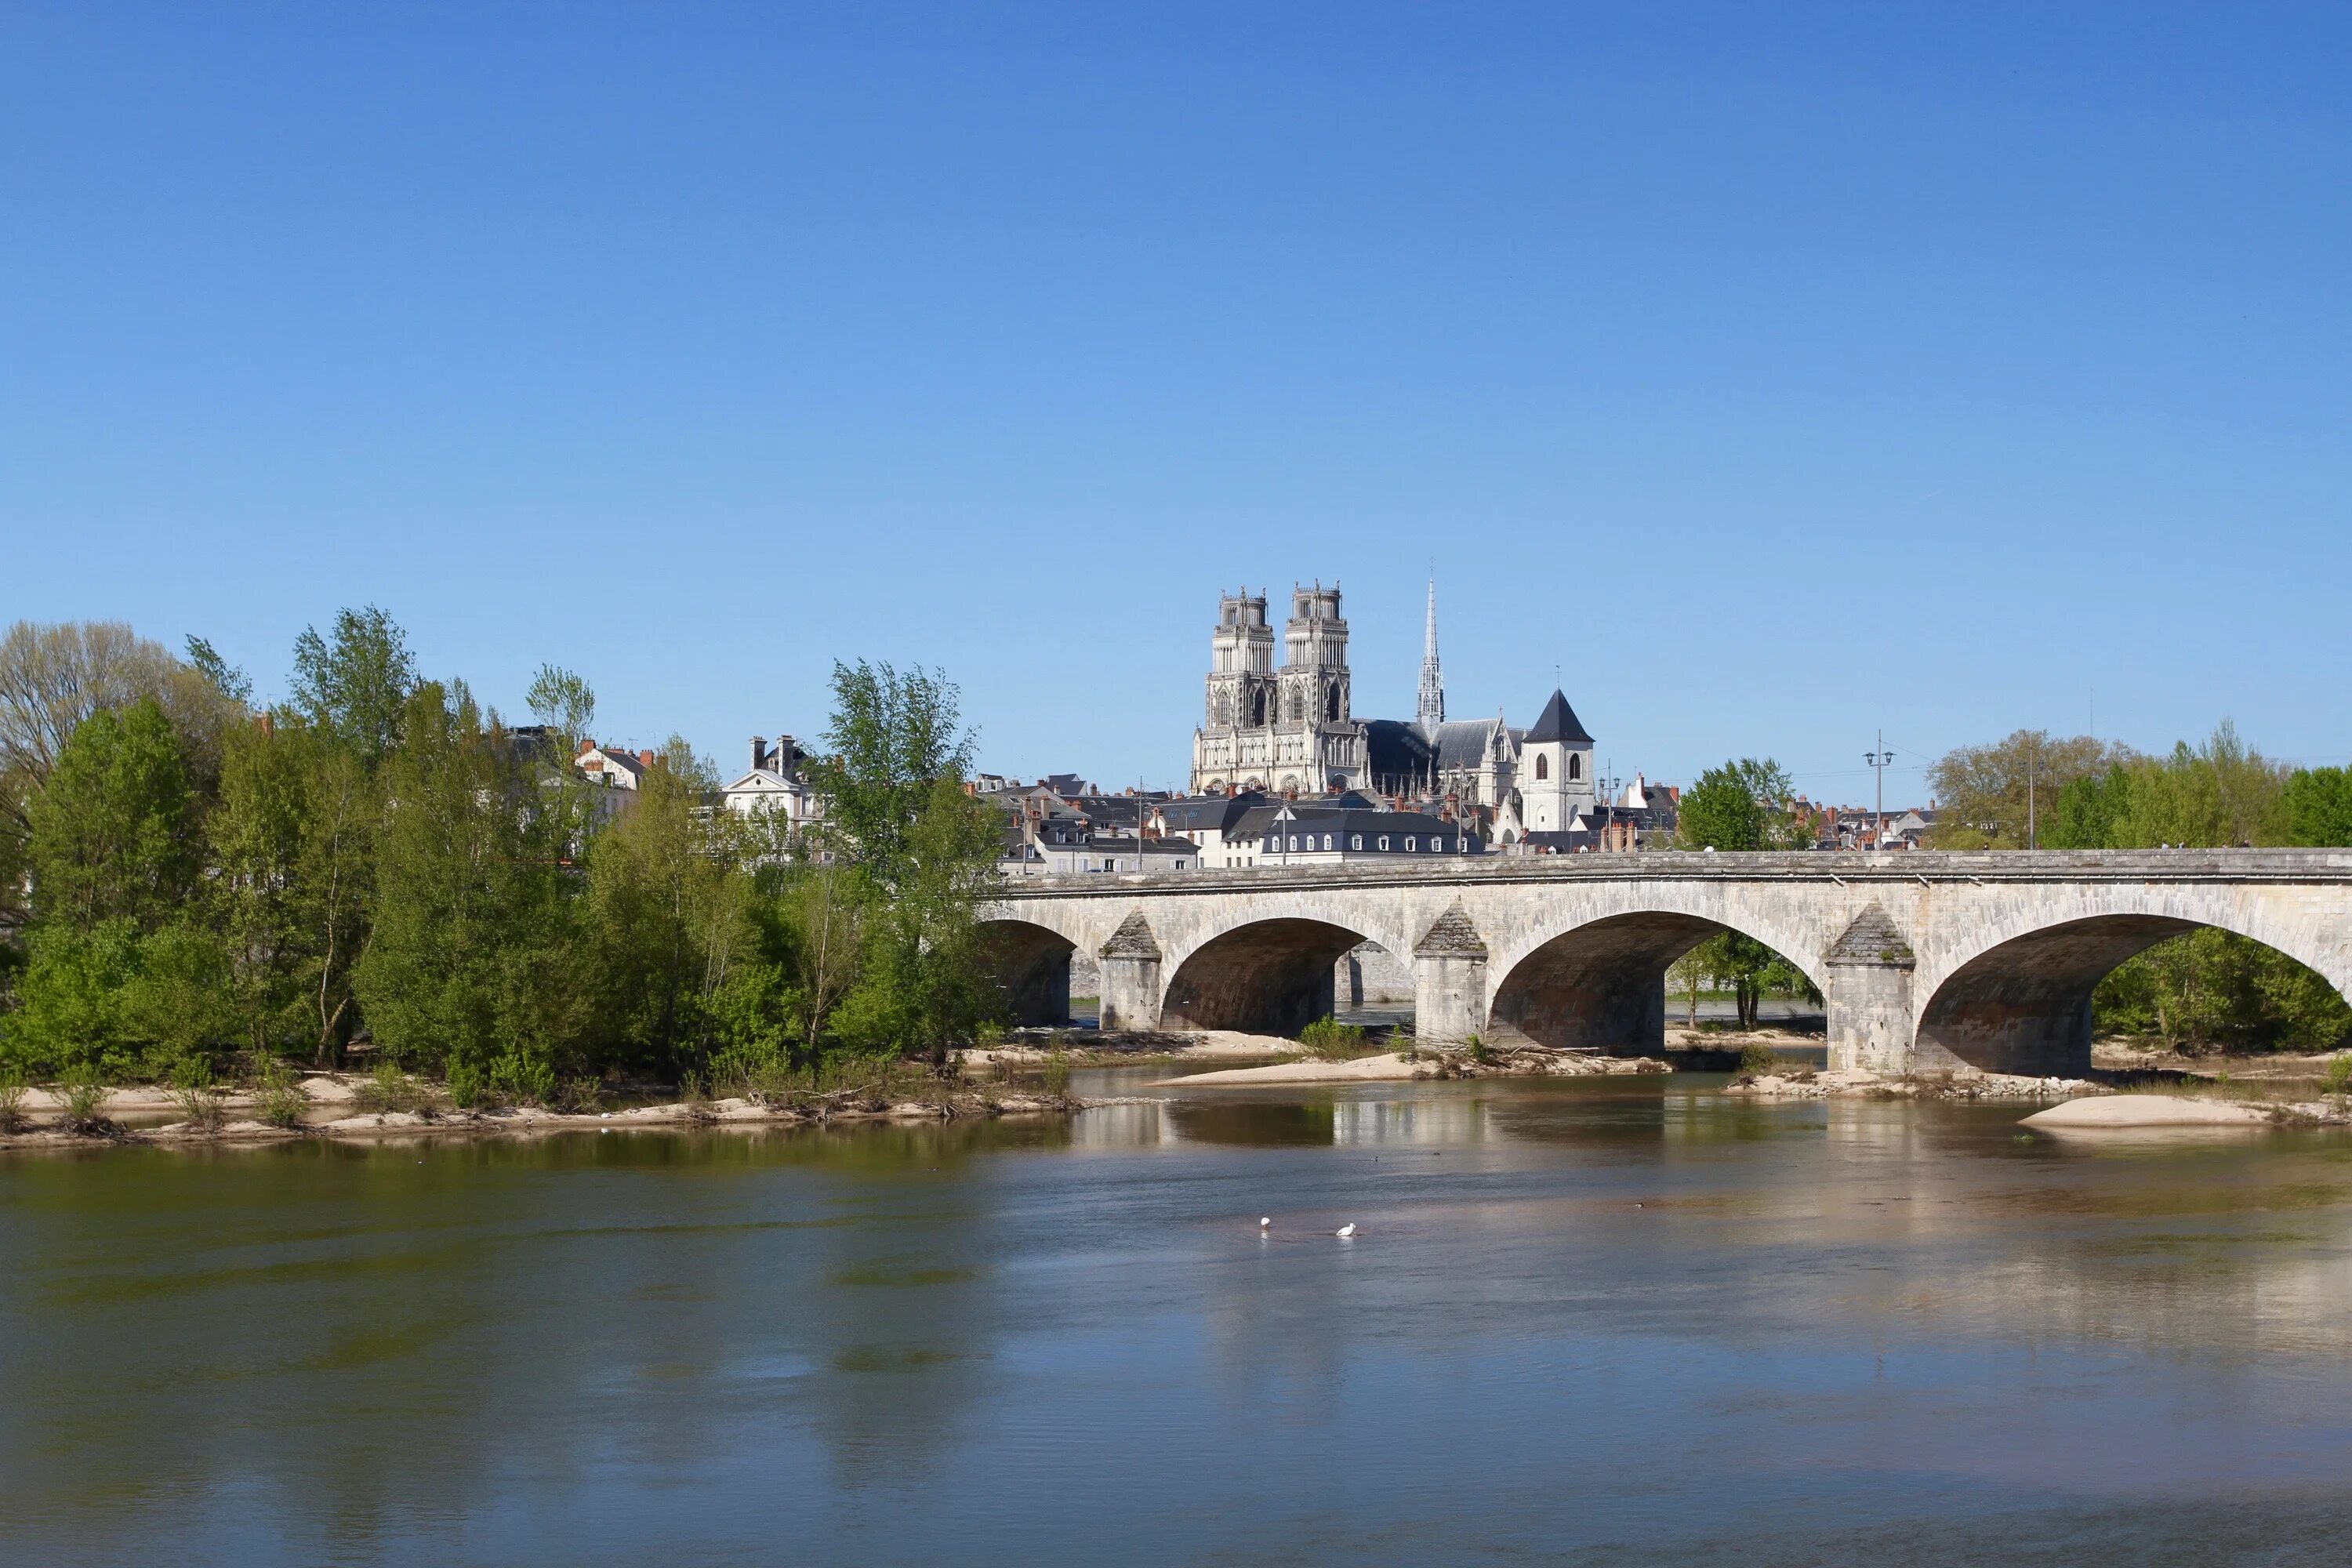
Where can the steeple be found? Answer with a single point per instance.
(1431, 711)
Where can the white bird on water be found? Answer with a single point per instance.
(1347, 1229)
(1265, 1222)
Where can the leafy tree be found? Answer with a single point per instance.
(669, 899)
(111, 831)
(232, 683)
(52, 677)
(563, 702)
(2318, 806)
(357, 685)
(1742, 804)
(474, 960)
(293, 848)
(1997, 797)
(923, 853)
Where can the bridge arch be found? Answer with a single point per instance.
(1270, 976)
(1602, 981)
(2017, 997)
(1030, 962)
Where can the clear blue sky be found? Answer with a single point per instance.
(1774, 371)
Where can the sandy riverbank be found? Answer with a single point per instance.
(1089, 1049)
(1396, 1067)
(730, 1114)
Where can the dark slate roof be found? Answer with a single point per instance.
(1464, 742)
(1193, 812)
(1396, 750)
(1341, 819)
(1558, 722)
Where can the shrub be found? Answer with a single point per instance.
(2339, 1077)
(580, 1096)
(85, 1101)
(388, 1089)
(517, 1078)
(465, 1085)
(1476, 1048)
(199, 1099)
(1755, 1059)
(278, 1096)
(1332, 1040)
(12, 1098)
(989, 1036)
(694, 1096)
(1057, 1072)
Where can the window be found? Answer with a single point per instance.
(1408, 845)
(1543, 767)
(1327, 841)
(1294, 842)
(1355, 841)
(1384, 840)
(1575, 766)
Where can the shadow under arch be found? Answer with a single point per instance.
(2023, 1005)
(1601, 985)
(1268, 977)
(1031, 966)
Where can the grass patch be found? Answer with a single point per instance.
(1328, 1039)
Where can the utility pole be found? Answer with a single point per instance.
(2032, 756)
(1878, 760)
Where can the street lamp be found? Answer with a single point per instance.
(1878, 760)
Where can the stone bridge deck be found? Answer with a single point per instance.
(1925, 958)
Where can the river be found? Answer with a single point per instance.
(1605, 1321)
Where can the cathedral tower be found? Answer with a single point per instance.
(1429, 711)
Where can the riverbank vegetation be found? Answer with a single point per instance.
(195, 887)
(2207, 991)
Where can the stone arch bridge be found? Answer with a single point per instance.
(1925, 959)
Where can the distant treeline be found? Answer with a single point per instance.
(2206, 990)
(189, 883)
(2210, 989)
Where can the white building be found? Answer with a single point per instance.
(776, 786)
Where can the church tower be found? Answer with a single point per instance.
(1429, 711)
(1555, 773)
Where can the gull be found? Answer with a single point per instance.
(1265, 1222)
(1347, 1229)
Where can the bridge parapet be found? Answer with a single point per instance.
(1996, 945)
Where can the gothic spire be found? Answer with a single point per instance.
(1431, 711)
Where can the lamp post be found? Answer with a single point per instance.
(1878, 760)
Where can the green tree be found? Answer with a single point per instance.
(1998, 797)
(565, 704)
(2318, 806)
(923, 853)
(474, 962)
(112, 830)
(1743, 805)
(52, 679)
(357, 685)
(293, 848)
(669, 903)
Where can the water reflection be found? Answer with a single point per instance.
(1627, 1316)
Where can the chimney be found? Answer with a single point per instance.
(647, 758)
(758, 752)
(587, 745)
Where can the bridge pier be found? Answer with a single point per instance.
(1130, 977)
(1869, 997)
(1449, 981)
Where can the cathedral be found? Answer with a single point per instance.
(1292, 730)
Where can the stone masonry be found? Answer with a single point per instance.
(1925, 959)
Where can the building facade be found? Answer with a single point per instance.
(1290, 729)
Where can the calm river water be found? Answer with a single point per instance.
(1625, 1320)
